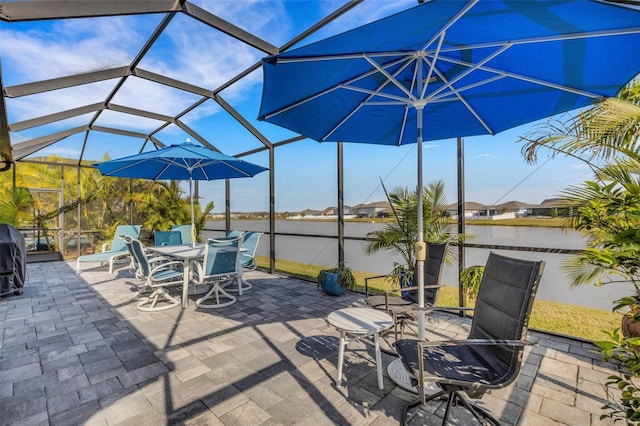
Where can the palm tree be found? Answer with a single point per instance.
(165, 206)
(606, 209)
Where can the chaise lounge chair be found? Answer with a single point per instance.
(117, 251)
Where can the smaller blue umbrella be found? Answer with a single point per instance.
(180, 162)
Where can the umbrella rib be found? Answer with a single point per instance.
(549, 38)
(376, 93)
(403, 127)
(164, 169)
(124, 167)
(471, 68)
(391, 78)
(371, 95)
(331, 89)
(432, 65)
(296, 59)
(451, 21)
(529, 79)
(443, 96)
(464, 101)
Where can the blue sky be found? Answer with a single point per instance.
(305, 172)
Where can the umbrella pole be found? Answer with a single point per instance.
(193, 226)
(420, 247)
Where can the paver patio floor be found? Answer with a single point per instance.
(74, 350)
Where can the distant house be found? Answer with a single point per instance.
(310, 212)
(551, 207)
(375, 209)
(333, 211)
(510, 210)
(472, 210)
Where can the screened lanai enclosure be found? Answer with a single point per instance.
(88, 81)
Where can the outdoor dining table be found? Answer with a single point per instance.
(187, 253)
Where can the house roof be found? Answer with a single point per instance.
(469, 205)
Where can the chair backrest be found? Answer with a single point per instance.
(250, 242)
(185, 233)
(503, 306)
(138, 252)
(234, 233)
(127, 239)
(433, 266)
(221, 256)
(124, 230)
(168, 238)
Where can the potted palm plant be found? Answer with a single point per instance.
(399, 236)
(335, 281)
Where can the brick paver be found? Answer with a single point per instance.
(74, 350)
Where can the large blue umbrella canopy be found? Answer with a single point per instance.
(180, 162)
(455, 68)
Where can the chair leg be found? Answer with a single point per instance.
(417, 402)
(453, 398)
(216, 292)
(159, 300)
(478, 412)
(242, 285)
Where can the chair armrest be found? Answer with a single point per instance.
(197, 270)
(166, 265)
(366, 282)
(158, 259)
(443, 308)
(395, 290)
(474, 342)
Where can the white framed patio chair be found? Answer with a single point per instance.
(250, 243)
(219, 268)
(117, 251)
(247, 260)
(134, 266)
(158, 275)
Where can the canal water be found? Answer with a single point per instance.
(554, 285)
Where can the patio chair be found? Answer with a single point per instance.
(250, 242)
(167, 238)
(158, 276)
(247, 260)
(490, 357)
(402, 308)
(134, 266)
(218, 268)
(117, 251)
(234, 233)
(185, 233)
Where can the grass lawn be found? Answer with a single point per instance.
(570, 320)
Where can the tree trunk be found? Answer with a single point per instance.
(629, 327)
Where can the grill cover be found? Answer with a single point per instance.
(13, 261)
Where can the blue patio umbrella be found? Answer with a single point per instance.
(446, 69)
(180, 162)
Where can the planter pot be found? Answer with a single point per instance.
(330, 284)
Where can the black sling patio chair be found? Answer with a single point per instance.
(490, 357)
(402, 308)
